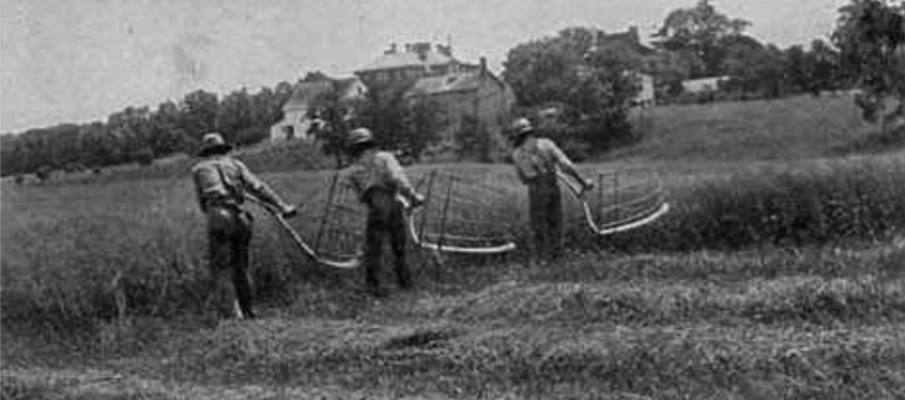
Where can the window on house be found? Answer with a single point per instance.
(289, 131)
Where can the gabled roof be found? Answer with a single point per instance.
(306, 93)
(407, 59)
(629, 38)
(461, 82)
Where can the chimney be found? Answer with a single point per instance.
(483, 61)
(422, 49)
(633, 33)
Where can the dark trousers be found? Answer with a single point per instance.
(229, 237)
(545, 212)
(386, 220)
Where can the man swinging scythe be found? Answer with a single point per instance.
(221, 185)
(537, 161)
(379, 181)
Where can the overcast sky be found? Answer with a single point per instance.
(80, 60)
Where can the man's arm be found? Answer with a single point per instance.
(398, 177)
(261, 190)
(561, 160)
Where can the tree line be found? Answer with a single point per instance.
(589, 78)
(694, 42)
(141, 134)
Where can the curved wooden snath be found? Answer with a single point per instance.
(350, 263)
(635, 220)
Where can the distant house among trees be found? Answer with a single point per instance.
(461, 95)
(478, 96)
(299, 112)
(703, 85)
(397, 70)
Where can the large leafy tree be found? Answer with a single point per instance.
(404, 125)
(234, 114)
(576, 68)
(754, 68)
(813, 70)
(870, 35)
(139, 132)
(543, 70)
(199, 113)
(699, 31)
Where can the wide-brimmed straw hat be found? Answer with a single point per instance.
(213, 143)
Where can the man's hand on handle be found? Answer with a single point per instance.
(409, 204)
(288, 211)
(417, 200)
(586, 186)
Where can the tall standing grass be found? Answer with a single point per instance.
(795, 205)
(138, 248)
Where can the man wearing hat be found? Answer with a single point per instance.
(378, 179)
(536, 162)
(221, 184)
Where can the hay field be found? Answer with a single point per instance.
(771, 278)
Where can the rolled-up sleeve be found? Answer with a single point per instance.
(557, 155)
(257, 187)
(396, 174)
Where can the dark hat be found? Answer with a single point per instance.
(360, 136)
(520, 127)
(213, 143)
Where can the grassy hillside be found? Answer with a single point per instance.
(777, 274)
(786, 129)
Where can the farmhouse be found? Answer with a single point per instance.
(306, 98)
(422, 72)
(479, 94)
(397, 70)
(702, 85)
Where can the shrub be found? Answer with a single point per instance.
(251, 135)
(144, 157)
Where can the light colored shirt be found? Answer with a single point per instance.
(538, 157)
(225, 179)
(379, 169)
